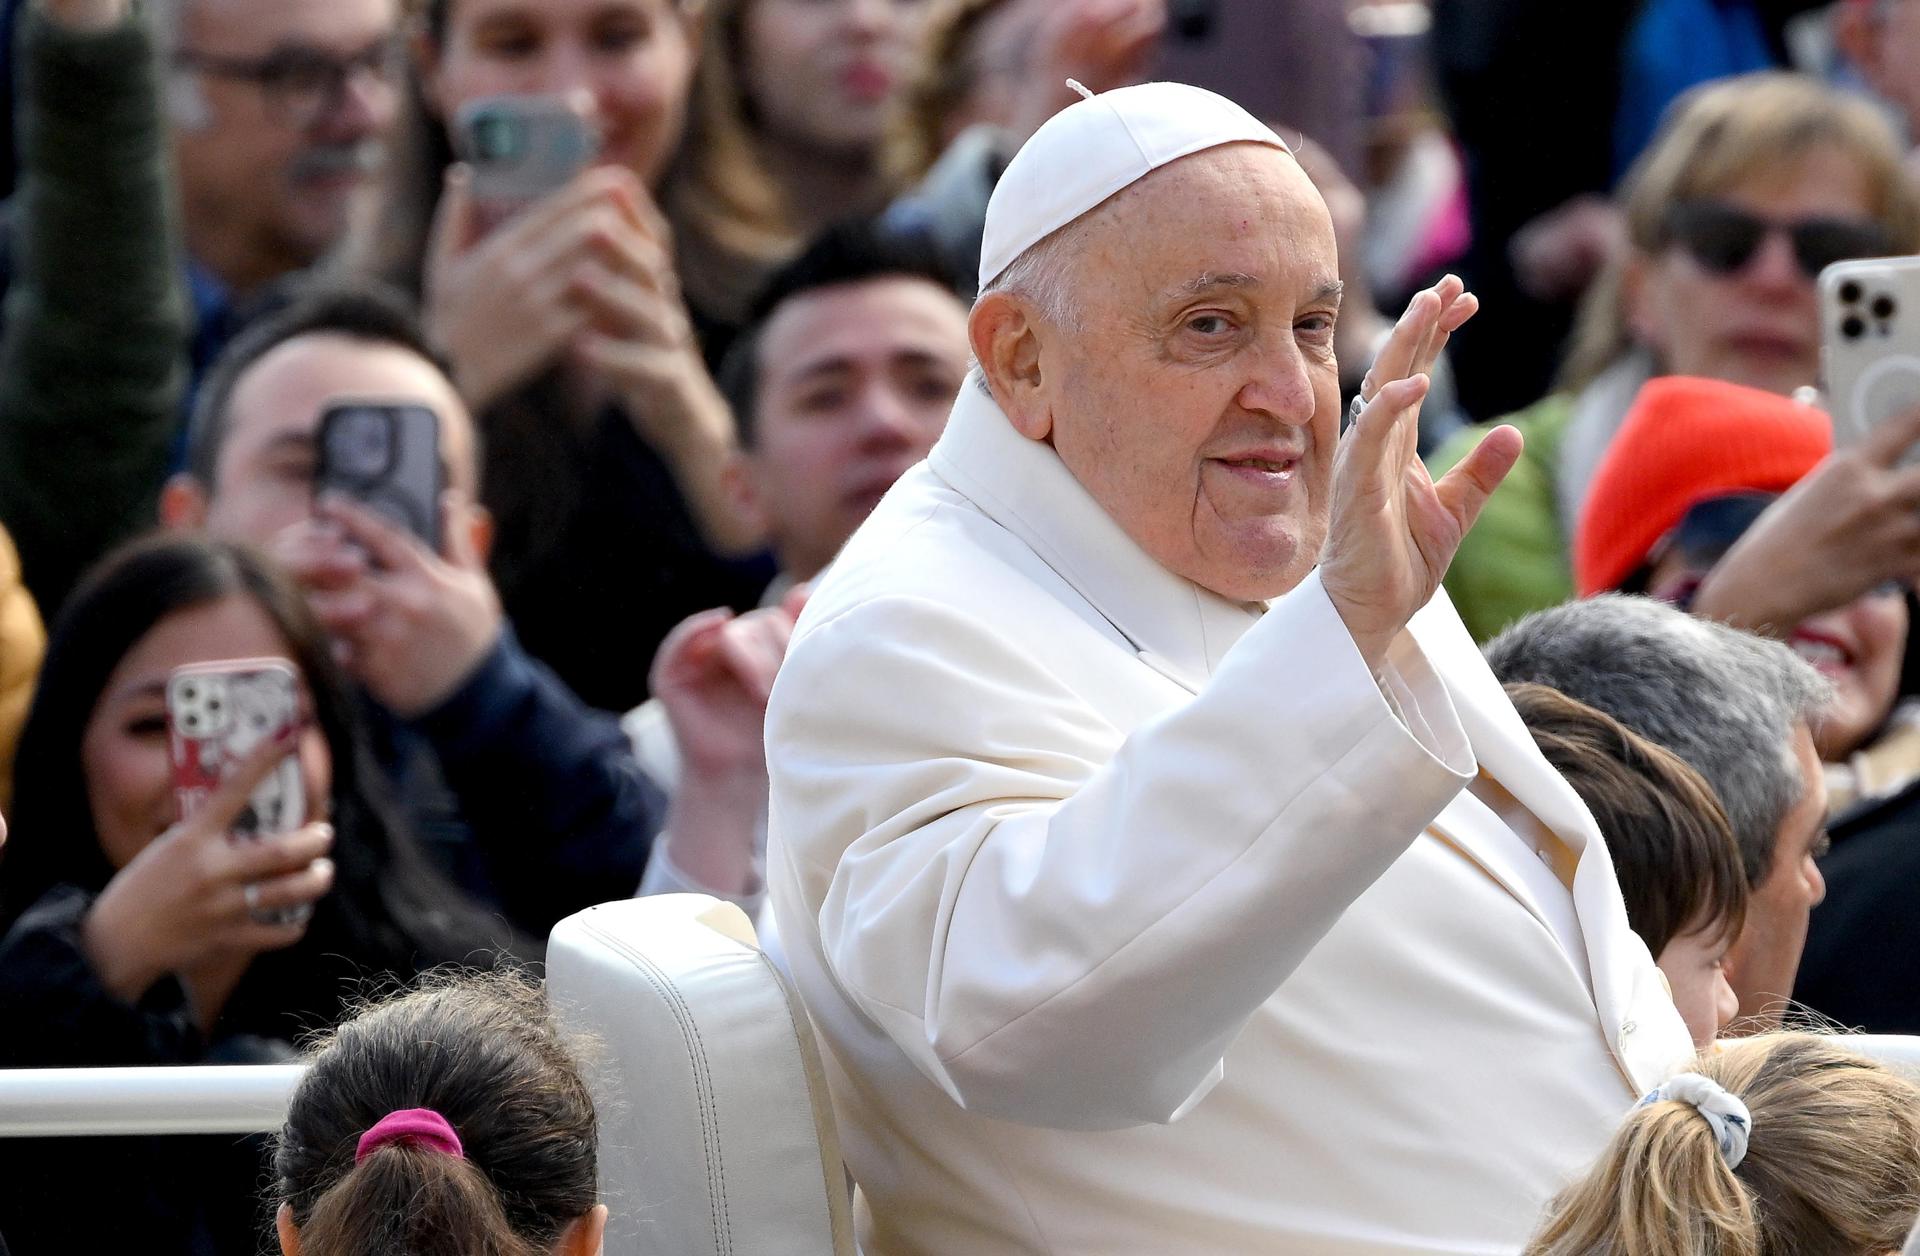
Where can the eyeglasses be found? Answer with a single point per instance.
(301, 84)
(1724, 239)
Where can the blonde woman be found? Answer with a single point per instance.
(1752, 186)
(1783, 1145)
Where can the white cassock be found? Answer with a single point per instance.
(1135, 921)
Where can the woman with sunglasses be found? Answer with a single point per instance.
(1751, 188)
(1727, 500)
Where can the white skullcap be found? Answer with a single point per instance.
(1093, 148)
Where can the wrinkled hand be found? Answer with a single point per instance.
(1851, 524)
(184, 898)
(1393, 531)
(1101, 44)
(507, 303)
(407, 624)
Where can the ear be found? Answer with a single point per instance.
(289, 1236)
(183, 503)
(741, 487)
(584, 1235)
(1006, 344)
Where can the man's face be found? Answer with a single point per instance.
(1198, 401)
(263, 479)
(855, 384)
(1767, 954)
(269, 169)
(1893, 68)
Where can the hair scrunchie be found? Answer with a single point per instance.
(1732, 1123)
(423, 1126)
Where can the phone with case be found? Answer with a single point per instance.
(217, 713)
(521, 148)
(1870, 344)
(385, 454)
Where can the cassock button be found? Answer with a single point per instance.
(1627, 1027)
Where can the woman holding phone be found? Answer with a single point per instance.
(133, 937)
(605, 437)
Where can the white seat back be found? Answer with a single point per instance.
(716, 1134)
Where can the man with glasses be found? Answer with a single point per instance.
(274, 111)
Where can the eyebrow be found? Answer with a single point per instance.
(281, 441)
(143, 689)
(1212, 280)
(842, 362)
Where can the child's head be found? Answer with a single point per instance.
(1827, 1164)
(447, 1120)
(1673, 851)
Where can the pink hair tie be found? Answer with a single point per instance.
(415, 1125)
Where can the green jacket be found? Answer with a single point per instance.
(1517, 558)
(93, 362)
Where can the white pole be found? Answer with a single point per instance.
(195, 1099)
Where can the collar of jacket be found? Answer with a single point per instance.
(1182, 631)
(1177, 627)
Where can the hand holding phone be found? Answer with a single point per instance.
(521, 149)
(217, 715)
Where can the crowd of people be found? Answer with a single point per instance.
(1272, 690)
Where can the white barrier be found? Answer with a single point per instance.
(194, 1099)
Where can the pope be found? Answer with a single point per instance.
(1162, 867)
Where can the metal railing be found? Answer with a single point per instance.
(192, 1099)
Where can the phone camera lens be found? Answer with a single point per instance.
(1849, 292)
(1883, 307)
(1853, 327)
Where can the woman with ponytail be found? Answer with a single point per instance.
(450, 1121)
(1787, 1144)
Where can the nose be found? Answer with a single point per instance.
(1726, 1004)
(1281, 386)
(1816, 884)
(886, 418)
(1773, 264)
(869, 18)
(365, 105)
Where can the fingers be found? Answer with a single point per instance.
(753, 649)
(1414, 346)
(455, 226)
(389, 546)
(457, 516)
(1890, 440)
(688, 648)
(626, 309)
(1372, 433)
(230, 797)
(1464, 490)
(278, 855)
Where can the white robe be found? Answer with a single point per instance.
(1134, 921)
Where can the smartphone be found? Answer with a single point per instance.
(387, 455)
(216, 714)
(1870, 344)
(520, 149)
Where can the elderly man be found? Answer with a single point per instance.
(1150, 890)
(1738, 709)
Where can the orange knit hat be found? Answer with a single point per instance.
(1683, 441)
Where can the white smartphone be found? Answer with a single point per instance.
(1870, 343)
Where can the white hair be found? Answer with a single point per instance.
(1044, 276)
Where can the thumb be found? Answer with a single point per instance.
(454, 229)
(1464, 490)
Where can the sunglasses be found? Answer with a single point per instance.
(1724, 239)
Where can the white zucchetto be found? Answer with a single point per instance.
(1097, 146)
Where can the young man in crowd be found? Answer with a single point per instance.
(842, 381)
(528, 798)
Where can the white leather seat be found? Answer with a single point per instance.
(716, 1133)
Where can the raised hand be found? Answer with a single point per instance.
(713, 675)
(1851, 524)
(196, 893)
(407, 623)
(1393, 531)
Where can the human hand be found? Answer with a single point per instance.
(1558, 254)
(1100, 44)
(1393, 531)
(408, 624)
(1852, 523)
(196, 892)
(86, 15)
(713, 675)
(506, 303)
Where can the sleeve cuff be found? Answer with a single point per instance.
(663, 876)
